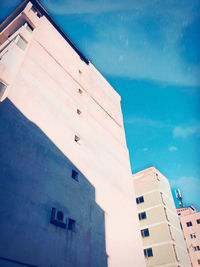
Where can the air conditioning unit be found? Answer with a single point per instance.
(58, 218)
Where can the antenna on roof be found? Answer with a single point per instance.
(179, 197)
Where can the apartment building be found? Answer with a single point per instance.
(190, 223)
(162, 237)
(65, 175)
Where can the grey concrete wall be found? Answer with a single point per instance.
(34, 177)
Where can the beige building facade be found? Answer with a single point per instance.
(66, 190)
(162, 237)
(190, 223)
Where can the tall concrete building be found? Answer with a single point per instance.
(162, 237)
(190, 223)
(65, 180)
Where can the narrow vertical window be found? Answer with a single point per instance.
(77, 139)
(80, 91)
(78, 111)
(75, 175)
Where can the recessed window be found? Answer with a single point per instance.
(142, 215)
(2, 88)
(139, 200)
(145, 232)
(198, 221)
(198, 261)
(148, 252)
(77, 139)
(80, 91)
(197, 248)
(75, 175)
(21, 42)
(78, 111)
(71, 225)
(80, 72)
(189, 224)
(192, 236)
(28, 27)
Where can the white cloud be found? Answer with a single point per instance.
(145, 149)
(184, 132)
(146, 122)
(189, 187)
(172, 148)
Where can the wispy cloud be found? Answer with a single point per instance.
(189, 187)
(172, 148)
(142, 38)
(184, 132)
(145, 149)
(146, 121)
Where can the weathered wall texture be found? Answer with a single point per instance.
(39, 151)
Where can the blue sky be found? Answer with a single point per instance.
(150, 53)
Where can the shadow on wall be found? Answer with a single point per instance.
(35, 176)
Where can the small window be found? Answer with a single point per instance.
(189, 224)
(142, 215)
(80, 91)
(179, 213)
(192, 236)
(21, 42)
(71, 225)
(198, 221)
(197, 248)
(75, 175)
(198, 261)
(2, 88)
(145, 232)
(80, 72)
(77, 139)
(148, 252)
(139, 200)
(28, 27)
(78, 111)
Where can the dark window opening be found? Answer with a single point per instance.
(75, 175)
(189, 224)
(78, 112)
(76, 138)
(148, 252)
(142, 216)
(198, 221)
(145, 232)
(139, 200)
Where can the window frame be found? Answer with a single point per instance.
(148, 252)
(189, 224)
(141, 217)
(140, 199)
(145, 232)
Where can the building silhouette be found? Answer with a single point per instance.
(65, 180)
(163, 240)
